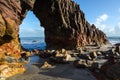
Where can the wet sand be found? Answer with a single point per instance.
(58, 72)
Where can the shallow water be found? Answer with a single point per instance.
(34, 59)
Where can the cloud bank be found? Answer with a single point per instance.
(108, 29)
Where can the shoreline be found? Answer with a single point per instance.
(60, 71)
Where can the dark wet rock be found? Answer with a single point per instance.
(111, 61)
(113, 71)
(95, 65)
(46, 65)
(80, 63)
(59, 60)
(117, 44)
(88, 57)
(61, 56)
(74, 54)
(117, 49)
(44, 54)
(35, 52)
(93, 55)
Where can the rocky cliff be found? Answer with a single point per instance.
(12, 13)
(65, 24)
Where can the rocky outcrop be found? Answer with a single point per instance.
(12, 12)
(65, 25)
(113, 72)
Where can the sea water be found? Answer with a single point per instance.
(31, 43)
(114, 40)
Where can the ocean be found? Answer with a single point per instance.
(31, 43)
(114, 40)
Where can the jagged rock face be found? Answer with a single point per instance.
(65, 25)
(12, 12)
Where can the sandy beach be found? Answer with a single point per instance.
(58, 72)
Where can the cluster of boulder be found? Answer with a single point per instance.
(10, 69)
(56, 56)
(112, 67)
(101, 61)
(10, 65)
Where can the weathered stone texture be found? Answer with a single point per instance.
(65, 25)
(12, 13)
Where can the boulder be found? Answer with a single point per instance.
(61, 56)
(80, 63)
(117, 49)
(35, 51)
(95, 65)
(88, 57)
(113, 71)
(59, 60)
(93, 55)
(8, 70)
(46, 65)
(46, 54)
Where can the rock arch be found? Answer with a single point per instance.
(65, 24)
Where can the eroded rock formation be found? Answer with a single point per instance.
(12, 13)
(65, 25)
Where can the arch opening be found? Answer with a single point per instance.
(31, 34)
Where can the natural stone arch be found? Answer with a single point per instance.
(65, 24)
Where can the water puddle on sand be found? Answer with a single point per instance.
(34, 59)
(31, 68)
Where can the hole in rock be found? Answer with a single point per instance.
(31, 34)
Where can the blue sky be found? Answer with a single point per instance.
(30, 27)
(105, 14)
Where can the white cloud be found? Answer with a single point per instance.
(29, 32)
(99, 21)
(112, 30)
(118, 25)
(106, 28)
(102, 18)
